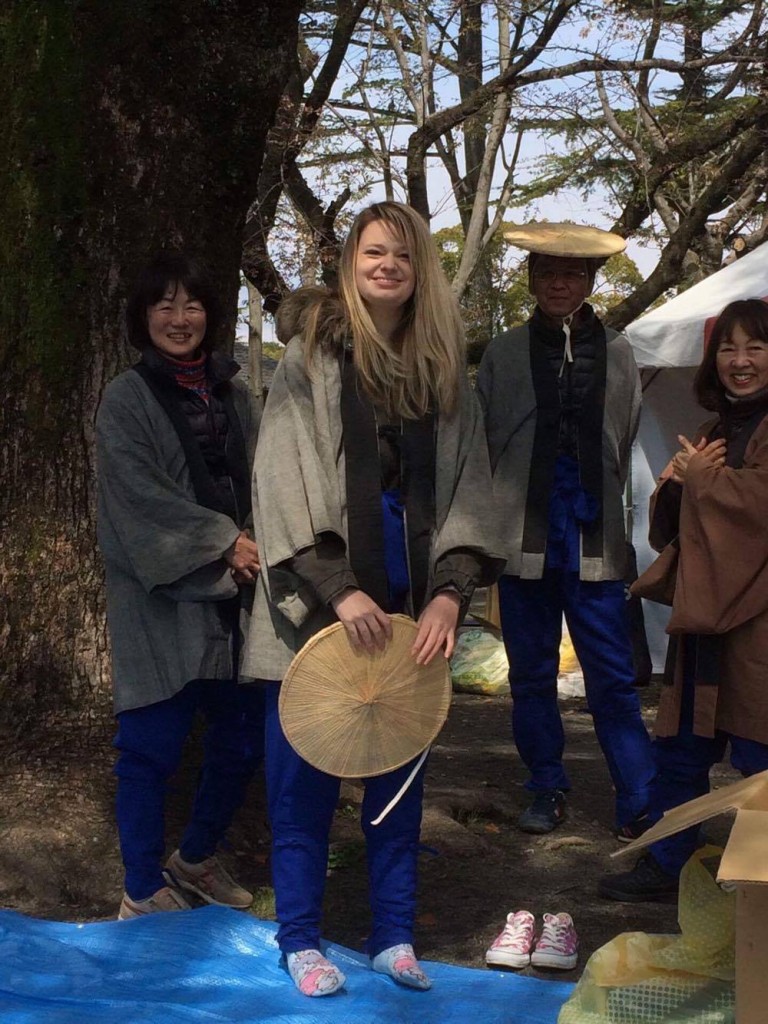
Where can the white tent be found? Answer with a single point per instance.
(673, 334)
(668, 344)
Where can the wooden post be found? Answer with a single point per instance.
(751, 953)
(492, 606)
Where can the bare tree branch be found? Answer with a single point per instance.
(668, 270)
(510, 80)
(294, 126)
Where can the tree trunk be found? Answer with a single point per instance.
(126, 128)
(255, 340)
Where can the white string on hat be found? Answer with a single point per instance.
(568, 350)
(404, 788)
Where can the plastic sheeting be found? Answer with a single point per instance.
(214, 965)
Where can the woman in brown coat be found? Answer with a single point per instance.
(713, 497)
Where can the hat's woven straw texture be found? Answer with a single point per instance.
(355, 715)
(575, 240)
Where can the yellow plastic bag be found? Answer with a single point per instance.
(667, 979)
(568, 660)
(479, 663)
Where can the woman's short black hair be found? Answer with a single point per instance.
(171, 268)
(749, 314)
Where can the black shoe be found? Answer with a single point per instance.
(545, 813)
(645, 883)
(633, 830)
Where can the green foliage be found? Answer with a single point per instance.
(263, 906)
(272, 349)
(701, 14)
(497, 298)
(587, 162)
(617, 279)
(345, 854)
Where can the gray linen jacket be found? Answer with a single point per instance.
(299, 493)
(162, 551)
(506, 391)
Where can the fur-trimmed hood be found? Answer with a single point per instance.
(312, 301)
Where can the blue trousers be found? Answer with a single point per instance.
(683, 763)
(302, 801)
(150, 741)
(531, 620)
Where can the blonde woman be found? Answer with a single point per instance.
(371, 458)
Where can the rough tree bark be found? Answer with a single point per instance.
(126, 128)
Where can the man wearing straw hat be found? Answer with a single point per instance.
(561, 396)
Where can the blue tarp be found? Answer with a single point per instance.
(214, 965)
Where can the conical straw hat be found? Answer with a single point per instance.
(559, 239)
(353, 714)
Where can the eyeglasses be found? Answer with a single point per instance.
(569, 276)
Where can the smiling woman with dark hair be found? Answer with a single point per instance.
(711, 501)
(175, 436)
(746, 318)
(182, 273)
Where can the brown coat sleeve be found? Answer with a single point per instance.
(722, 579)
(664, 514)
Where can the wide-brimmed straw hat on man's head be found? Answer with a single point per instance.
(578, 241)
(356, 715)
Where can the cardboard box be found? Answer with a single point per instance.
(745, 864)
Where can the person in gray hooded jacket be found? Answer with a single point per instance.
(377, 514)
(175, 436)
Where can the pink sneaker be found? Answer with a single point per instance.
(512, 948)
(558, 944)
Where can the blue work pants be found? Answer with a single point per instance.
(150, 740)
(683, 763)
(531, 619)
(302, 801)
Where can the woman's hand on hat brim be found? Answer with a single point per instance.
(368, 626)
(437, 627)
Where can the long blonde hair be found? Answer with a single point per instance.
(424, 365)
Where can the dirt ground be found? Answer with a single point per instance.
(59, 857)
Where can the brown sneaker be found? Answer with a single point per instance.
(163, 900)
(209, 880)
